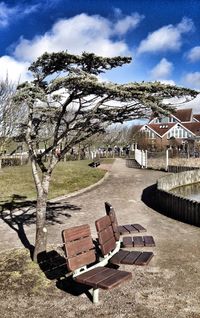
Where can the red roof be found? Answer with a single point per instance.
(193, 127)
(161, 128)
(197, 117)
(183, 115)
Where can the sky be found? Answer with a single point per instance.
(161, 36)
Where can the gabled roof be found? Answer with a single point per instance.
(161, 129)
(193, 127)
(197, 117)
(184, 115)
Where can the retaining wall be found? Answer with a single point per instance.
(176, 206)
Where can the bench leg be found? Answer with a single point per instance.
(95, 295)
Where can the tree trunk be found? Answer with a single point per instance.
(41, 210)
(41, 230)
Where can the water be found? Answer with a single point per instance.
(191, 191)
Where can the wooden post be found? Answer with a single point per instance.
(167, 160)
(146, 159)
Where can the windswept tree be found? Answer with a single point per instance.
(66, 104)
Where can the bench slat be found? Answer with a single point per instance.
(103, 223)
(115, 280)
(113, 218)
(149, 241)
(138, 241)
(127, 241)
(122, 229)
(79, 246)
(117, 258)
(130, 228)
(131, 258)
(82, 277)
(87, 276)
(139, 227)
(116, 231)
(96, 280)
(81, 260)
(105, 235)
(75, 233)
(108, 246)
(144, 258)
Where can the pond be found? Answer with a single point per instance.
(191, 191)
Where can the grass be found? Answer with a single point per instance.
(67, 177)
(23, 275)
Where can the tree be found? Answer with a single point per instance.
(8, 115)
(66, 104)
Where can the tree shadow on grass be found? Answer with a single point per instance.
(19, 212)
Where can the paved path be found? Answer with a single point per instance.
(172, 279)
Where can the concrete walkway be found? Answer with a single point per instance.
(172, 279)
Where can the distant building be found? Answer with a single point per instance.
(181, 126)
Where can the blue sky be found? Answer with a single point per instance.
(162, 36)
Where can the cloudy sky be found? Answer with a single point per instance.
(163, 37)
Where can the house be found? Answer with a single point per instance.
(180, 128)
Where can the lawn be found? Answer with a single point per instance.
(67, 177)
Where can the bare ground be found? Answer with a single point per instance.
(168, 287)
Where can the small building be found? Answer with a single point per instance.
(179, 128)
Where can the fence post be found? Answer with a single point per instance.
(167, 160)
(142, 165)
(146, 159)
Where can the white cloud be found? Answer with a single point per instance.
(183, 103)
(16, 71)
(127, 23)
(193, 80)
(78, 34)
(167, 38)
(194, 54)
(162, 70)
(7, 14)
(194, 104)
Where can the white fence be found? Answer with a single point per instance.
(141, 157)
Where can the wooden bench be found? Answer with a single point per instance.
(135, 241)
(108, 242)
(94, 164)
(81, 260)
